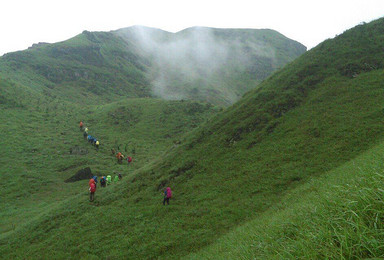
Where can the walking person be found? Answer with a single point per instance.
(129, 159)
(103, 182)
(167, 195)
(92, 189)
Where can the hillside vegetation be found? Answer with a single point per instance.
(42, 146)
(207, 64)
(265, 159)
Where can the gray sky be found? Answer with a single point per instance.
(24, 22)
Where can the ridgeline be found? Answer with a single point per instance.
(291, 170)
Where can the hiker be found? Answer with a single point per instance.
(103, 182)
(120, 176)
(91, 180)
(119, 157)
(129, 159)
(89, 137)
(116, 179)
(97, 145)
(85, 135)
(86, 130)
(109, 179)
(167, 195)
(92, 189)
(95, 178)
(94, 141)
(81, 125)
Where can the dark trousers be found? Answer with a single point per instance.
(92, 196)
(166, 200)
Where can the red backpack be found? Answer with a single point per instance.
(92, 187)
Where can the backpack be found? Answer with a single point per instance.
(92, 188)
(169, 193)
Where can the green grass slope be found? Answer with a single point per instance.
(88, 68)
(336, 216)
(143, 62)
(42, 146)
(313, 116)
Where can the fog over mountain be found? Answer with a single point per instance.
(196, 60)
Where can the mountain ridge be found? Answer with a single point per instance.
(144, 62)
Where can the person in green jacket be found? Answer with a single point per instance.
(109, 179)
(116, 179)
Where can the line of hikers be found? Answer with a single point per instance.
(91, 139)
(104, 181)
(107, 180)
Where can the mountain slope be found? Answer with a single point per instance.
(206, 64)
(334, 216)
(215, 65)
(312, 116)
(42, 147)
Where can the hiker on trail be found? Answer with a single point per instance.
(103, 182)
(92, 189)
(89, 137)
(94, 141)
(129, 159)
(85, 135)
(109, 179)
(86, 130)
(97, 145)
(120, 176)
(91, 180)
(81, 125)
(119, 157)
(167, 195)
(95, 179)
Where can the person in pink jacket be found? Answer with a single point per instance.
(167, 195)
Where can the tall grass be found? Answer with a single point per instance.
(335, 216)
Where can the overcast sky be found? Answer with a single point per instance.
(24, 22)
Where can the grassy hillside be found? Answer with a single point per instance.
(336, 216)
(88, 68)
(95, 67)
(305, 121)
(42, 146)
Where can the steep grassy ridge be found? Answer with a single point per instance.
(87, 68)
(336, 216)
(306, 120)
(143, 62)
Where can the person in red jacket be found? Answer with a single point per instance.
(92, 189)
(129, 159)
(81, 125)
